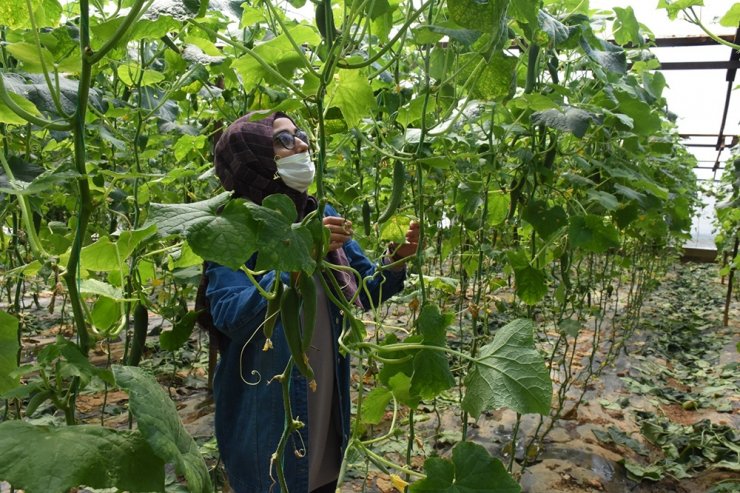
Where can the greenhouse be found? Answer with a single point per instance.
(461, 246)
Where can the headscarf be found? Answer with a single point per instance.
(244, 158)
(244, 161)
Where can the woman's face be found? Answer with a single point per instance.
(280, 125)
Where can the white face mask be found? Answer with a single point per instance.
(297, 171)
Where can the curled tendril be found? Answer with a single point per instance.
(241, 362)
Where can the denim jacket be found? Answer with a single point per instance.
(249, 409)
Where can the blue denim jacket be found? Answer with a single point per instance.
(249, 408)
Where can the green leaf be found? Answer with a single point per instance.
(9, 116)
(279, 54)
(731, 17)
(157, 420)
(626, 28)
(412, 112)
(592, 234)
(351, 92)
(44, 182)
(374, 404)
(431, 370)
(509, 372)
(646, 121)
(100, 288)
(558, 32)
(432, 33)
(607, 200)
(176, 219)
(394, 229)
(488, 16)
(498, 206)
(525, 11)
(105, 255)
(240, 229)
(153, 28)
(545, 220)
(636, 472)
(131, 73)
(14, 13)
(432, 325)
(674, 7)
(105, 313)
(31, 57)
(497, 82)
(531, 283)
(187, 143)
(471, 470)
(9, 348)
(611, 57)
(172, 340)
(47, 458)
(432, 374)
(567, 118)
(281, 244)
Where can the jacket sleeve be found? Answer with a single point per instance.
(236, 306)
(381, 285)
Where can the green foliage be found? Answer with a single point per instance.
(157, 420)
(509, 372)
(97, 457)
(9, 348)
(471, 469)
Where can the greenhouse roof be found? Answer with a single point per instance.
(701, 77)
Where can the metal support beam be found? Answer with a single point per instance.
(711, 65)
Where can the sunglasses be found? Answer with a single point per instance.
(287, 139)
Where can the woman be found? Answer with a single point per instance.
(255, 159)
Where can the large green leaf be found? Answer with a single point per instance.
(8, 351)
(611, 57)
(525, 11)
(626, 28)
(531, 283)
(44, 459)
(545, 220)
(239, 229)
(471, 470)
(31, 57)
(498, 206)
(557, 31)
(645, 120)
(592, 234)
(105, 255)
(431, 369)
(509, 372)
(282, 244)
(374, 404)
(172, 340)
(157, 420)
(9, 116)
(497, 82)
(14, 13)
(278, 53)
(487, 16)
(351, 93)
(568, 118)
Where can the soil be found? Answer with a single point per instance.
(571, 459)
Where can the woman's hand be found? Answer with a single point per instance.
(411, 245)
(340, 231)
